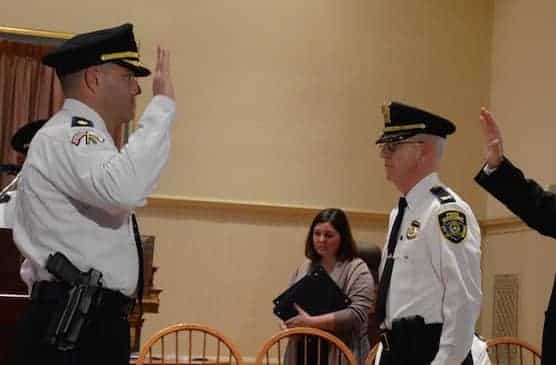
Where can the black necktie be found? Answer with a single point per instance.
(384, 285)
(139, 244)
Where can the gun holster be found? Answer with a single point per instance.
(73, 313)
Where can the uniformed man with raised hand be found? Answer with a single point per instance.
(430, 284)
(77, 194)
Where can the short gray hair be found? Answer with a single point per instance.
(437, 142)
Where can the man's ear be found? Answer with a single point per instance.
(92, 78)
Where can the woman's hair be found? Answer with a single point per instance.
(337, 219)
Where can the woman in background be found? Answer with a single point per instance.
(330, 243)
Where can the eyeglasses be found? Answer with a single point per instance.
(391, 147)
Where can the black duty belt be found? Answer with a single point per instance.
(390, 338)
(429, 340)
(110, 301)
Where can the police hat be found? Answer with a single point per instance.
(88, 49)
(22, 138)
(402, 121)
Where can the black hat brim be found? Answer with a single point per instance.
(138, 70)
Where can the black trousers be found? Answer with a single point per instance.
(104, 340)
(387, 358)
(549, 331)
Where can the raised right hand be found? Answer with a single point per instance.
(494, 151)
(162, 82)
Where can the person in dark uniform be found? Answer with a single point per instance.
(429, 294)
(526, 199)
(20, 143)
(22, 138)
(74, 219)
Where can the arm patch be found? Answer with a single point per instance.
(453, 225)
(442, 195)
(87, 137)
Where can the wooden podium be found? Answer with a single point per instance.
(13, 294)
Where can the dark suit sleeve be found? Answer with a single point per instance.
(524, 197)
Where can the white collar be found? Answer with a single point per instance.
(420, 190)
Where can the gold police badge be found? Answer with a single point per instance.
(453, 225)
(412, 230)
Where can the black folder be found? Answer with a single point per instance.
(316, 293)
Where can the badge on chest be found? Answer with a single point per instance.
(413, 230)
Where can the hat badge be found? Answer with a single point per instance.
(386, 112)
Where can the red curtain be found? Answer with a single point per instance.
(28, 91)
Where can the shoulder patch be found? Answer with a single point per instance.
(442, 195)
(453, 225)
(87, 137)
(81, 122)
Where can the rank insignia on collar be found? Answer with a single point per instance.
(453, 225)
(412, 230)
(81, 122)
(88, 137)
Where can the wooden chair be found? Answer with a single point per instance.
(273, 350)
(372, 355)
(512, 350)
(189, 344)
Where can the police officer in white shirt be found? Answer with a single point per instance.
(77, 194)
(430, 284)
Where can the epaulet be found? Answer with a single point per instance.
(81, 122)
(442, 195)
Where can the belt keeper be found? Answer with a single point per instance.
(385, 342)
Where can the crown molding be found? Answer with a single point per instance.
(259, 209)
(491, 226)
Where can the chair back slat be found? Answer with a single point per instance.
(279, 348)
(177, 346)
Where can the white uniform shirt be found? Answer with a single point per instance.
(77, 191)
(479, 351)
(433, 276)
(6, 211)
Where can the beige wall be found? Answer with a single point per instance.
(525, 253)
(279, 102)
